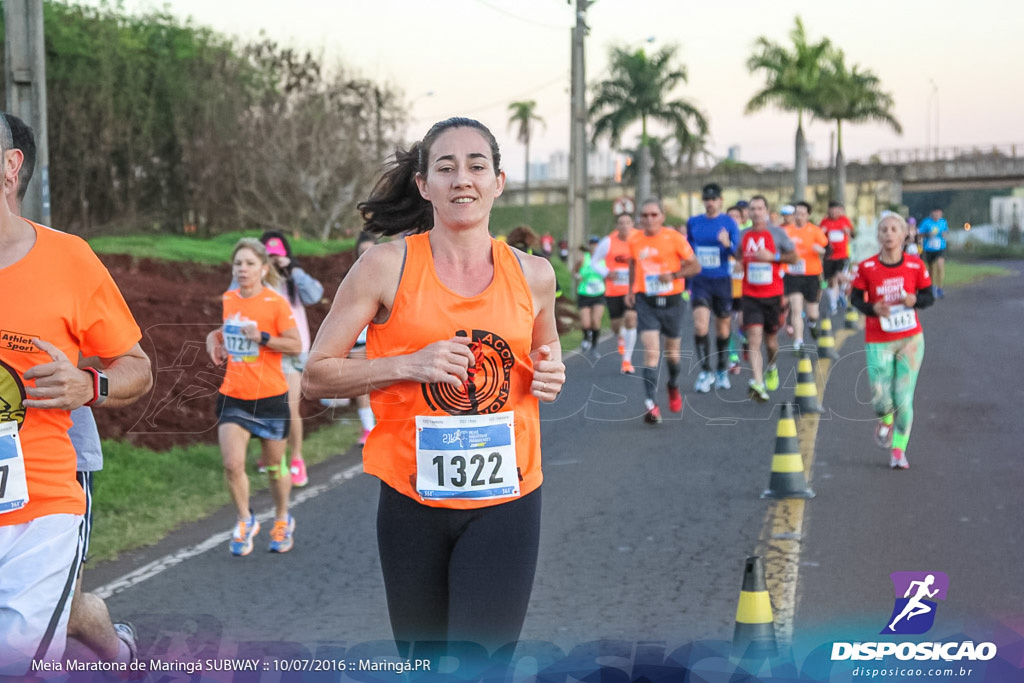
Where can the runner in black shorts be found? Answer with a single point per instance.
(764, 249)
(660, 259)
(612, 255)
(714, 237)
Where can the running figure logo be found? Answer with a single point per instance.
(914, 610)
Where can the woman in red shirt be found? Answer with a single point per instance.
(889, 288)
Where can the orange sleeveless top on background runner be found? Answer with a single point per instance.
(459, 435)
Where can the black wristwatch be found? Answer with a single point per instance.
(264, 338)
(100, 387)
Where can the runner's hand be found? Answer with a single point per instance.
(881, 309)
(215, 347)
(723, 238)
(910, 300)
(548, 375)
(444, 362)
(60, 385)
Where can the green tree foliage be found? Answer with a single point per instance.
(636, 90)
(159, 123)
(854, 95)
(792, 78)
(522, 116)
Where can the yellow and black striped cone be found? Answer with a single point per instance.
(826, 342)
(754, 636)
(806, 387)
(852, 319)
(787, 480)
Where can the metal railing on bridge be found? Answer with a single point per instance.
(953, 153)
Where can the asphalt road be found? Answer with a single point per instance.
(646, 528)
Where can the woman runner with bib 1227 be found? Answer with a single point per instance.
(890, 287)
(462, 344)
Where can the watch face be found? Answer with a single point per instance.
(104, 390)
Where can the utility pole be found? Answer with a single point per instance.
(578, 204)
(25, 75)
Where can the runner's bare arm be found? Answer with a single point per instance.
(546, 349)
(288, 342)
(367, 294)
(61, 385)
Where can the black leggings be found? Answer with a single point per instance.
(458, 575)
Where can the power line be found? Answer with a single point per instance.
(523, 19)
(505, 100)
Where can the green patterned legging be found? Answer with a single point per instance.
(893, 368)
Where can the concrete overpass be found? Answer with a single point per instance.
(872, 184)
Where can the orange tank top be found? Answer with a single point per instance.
(472, 446)
(617, 260)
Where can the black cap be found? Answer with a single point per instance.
(711, 191)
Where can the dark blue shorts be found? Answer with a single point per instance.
(265, 418)
(714, 293)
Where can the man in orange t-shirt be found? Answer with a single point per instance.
(803, 278)
(66, 306)
(660, 258)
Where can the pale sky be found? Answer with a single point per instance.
(956, 69)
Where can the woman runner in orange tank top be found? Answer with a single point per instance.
(462, 344)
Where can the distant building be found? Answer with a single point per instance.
(734, 153)
(1007, 212)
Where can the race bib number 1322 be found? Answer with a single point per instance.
(466, 456)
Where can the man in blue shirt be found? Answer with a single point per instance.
(933, 231)
(714, 237)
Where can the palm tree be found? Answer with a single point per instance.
(851, 95)
(524, 117)
(791, 84)
(636, 90)
(690, 149)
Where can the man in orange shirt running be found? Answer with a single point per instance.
(67, 306)
(659, 260)
(803, 278)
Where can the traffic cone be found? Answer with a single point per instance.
(787, 480)
(826, 342)
(851, 319)
(806, 387)
(754, 636)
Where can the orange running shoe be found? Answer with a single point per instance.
(281, 540)
(627, 368)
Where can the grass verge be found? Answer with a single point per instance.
(960, 273)
(142, 495)
(215, 250)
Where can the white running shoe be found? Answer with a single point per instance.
(705, 379)
(898, 460)
(722, 380)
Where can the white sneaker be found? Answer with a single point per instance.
(704, 381)
(722, 380)
(898, 460)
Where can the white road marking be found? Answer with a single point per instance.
(217, 540)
